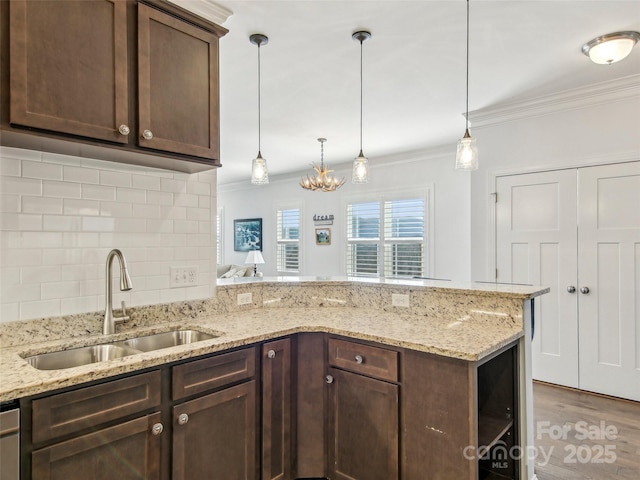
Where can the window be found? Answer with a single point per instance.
(288, 241)
(386, 238)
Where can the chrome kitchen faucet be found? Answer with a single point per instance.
(109, 325)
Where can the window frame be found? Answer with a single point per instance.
(380, 197)
(288, 241)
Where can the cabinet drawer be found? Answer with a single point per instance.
(214, 372)
(69, 412)
(373, 361)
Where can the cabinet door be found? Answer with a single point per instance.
(214, 437)
(363, 428)
(178, 85)
(126, 451)
(69, 67)
(276, 410)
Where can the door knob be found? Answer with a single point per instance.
(584, 290)
(183, 418)
(359, 359)
(147, 135)
(271, 354)
(124, 130)
(571, 289)
(328, 379)
(157, 428)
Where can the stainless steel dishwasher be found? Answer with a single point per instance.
(9, 441)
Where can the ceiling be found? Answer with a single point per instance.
(414, 72)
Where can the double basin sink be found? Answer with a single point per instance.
(77, 357)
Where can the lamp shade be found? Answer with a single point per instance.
(254, 257)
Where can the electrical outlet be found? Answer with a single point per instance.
(244, 298)
(183, 277)
(399, 300)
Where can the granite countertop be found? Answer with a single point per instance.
(468, 337)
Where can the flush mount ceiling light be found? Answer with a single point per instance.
(259, 173)
(467, 151)
(361, 163)
(610, 48)
(321, 181)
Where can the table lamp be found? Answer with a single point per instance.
(254, 257)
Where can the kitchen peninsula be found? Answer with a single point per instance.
(431, 375)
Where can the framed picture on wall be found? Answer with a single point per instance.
(323, 236)
(247, 234)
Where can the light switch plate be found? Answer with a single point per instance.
(183, 277)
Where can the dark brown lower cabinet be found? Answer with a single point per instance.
(214, 436)
(127, 451)
(276, 410)
(363, 428)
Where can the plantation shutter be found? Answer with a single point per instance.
(288, 240)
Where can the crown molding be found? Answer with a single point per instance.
(206, 9)
(596, 94)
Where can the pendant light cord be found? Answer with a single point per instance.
(259, 101)
(467, 103)
(361, 94)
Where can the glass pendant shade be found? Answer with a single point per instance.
(610, 48)
(259, 172)
(360, 172)
(467, 153)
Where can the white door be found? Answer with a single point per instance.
(536, 244)
(609, 266)
(578, 228)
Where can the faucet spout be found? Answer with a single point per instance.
(110, 320)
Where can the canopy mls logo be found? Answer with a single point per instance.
(592, 450)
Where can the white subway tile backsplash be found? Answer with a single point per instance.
(98, 224)
(41, 274)
(53, 290)
(10, 167)
(52, 188)
(131, 195)
(41, 204)
(10, 203)
(172, 185)
(39, 309)
(61, 223)
(115, 179)
(80, 175)
(98, 192)
(20, 222)
(159, 198)
(186, 200)
(62, 214)
(115, 209)
(44, 171)
(81, 207)
(20, 186)
(145, 182)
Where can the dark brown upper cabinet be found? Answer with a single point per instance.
(137, 81)
(69, 67)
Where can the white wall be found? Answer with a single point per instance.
(414, 173)
(61, 215)
(594, 125)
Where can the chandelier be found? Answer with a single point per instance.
(321, 181)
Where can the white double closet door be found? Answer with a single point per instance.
(578, 232)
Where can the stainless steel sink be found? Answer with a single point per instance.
(76, 357)
(167, 339)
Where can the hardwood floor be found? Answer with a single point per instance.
(584, 436)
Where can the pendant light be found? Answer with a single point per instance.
(361, 163)
(259, 172)
(467, 151)
(321, 181)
